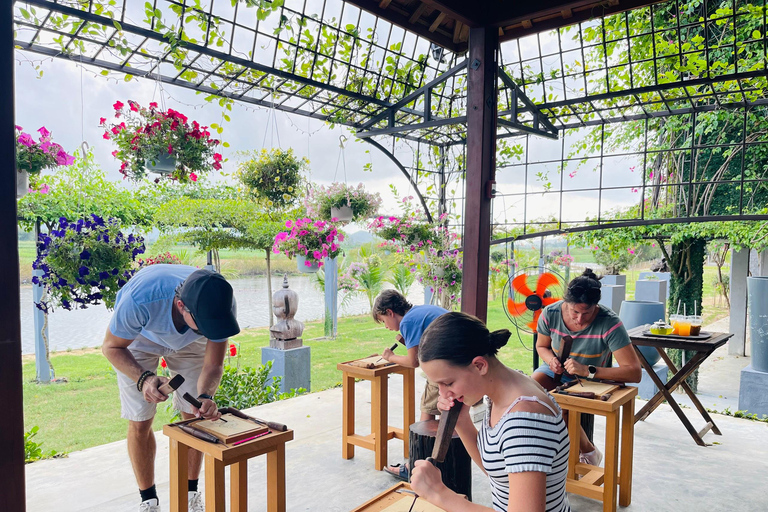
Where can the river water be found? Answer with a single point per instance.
(86, 327)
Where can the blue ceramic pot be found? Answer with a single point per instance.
(634, 313)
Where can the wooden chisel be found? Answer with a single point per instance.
(172, 385)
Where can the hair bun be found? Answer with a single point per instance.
(588, 272)
(499, 338)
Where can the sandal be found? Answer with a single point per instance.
(399, 471)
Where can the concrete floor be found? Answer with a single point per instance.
(671, 472)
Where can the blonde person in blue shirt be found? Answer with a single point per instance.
(597, 334)
(397, 314)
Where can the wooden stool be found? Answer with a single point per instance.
(381, 432)
(217, 457)
(456, 469)
(591, 481)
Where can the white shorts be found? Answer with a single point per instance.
(187, 362)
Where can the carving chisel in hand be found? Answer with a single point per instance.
(399, 339)
(443, 437)
(172, 385)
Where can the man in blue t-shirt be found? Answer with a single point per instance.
(185, 316)
(397, 314)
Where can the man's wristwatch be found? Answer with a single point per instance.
(203, 395)
(592, 371)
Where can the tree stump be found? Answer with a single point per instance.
(456, 470)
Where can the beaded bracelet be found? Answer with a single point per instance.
(144, 376)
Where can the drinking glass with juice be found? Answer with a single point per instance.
(674, 320)
(684, 326)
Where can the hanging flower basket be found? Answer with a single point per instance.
(22, 183)
(312, 240)
(273, 177)
(146, 137)
(32, 157)
(161, 164)
(341, 213)
(306, 266)
(342, 203)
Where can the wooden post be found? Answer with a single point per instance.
(12, 496)
(481, 167)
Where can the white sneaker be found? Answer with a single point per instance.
(151, 505)
(195, 502)
(594, 458)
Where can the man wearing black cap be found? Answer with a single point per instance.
(186, 316)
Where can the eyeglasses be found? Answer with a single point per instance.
(193, 319)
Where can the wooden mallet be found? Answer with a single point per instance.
(443, 437)
(172, 385)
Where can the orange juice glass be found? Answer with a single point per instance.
(674, 320)
(684, 327)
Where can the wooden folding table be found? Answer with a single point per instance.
(703, 348)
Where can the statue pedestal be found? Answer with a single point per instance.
(292, 364)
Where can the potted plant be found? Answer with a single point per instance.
(163, 141)
(32, 157)
(342, 203)
(273, 177)
(310, 241)
(85, 262)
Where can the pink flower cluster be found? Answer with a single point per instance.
(314, 239)
(33, 156)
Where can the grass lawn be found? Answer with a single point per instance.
(85, 411)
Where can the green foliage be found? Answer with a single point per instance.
(33, 451)
(401, 277)
(77, 191)
(274, 177)
(246, 387)
(369, 275)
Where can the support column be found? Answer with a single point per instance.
(738, 318)
(481, 167)
(331, 297)
(762, 263)
(12, 496)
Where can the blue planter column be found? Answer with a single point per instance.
(331, 297)
(633, 314)
(43, 369)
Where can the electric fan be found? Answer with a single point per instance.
(526, 294)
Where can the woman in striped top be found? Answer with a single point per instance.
(522, 445)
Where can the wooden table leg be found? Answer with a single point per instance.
(409, 407)
(238, 486)
(348, 427)
(214, 484)
(574, 435)
(379, 419)
(611, 461)
(276, 479)
(627, 453)
(179, 454)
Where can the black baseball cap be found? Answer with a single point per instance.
(210, 299)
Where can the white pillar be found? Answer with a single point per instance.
(762, 263)
(738, 318)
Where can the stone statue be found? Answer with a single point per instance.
(286, 333)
